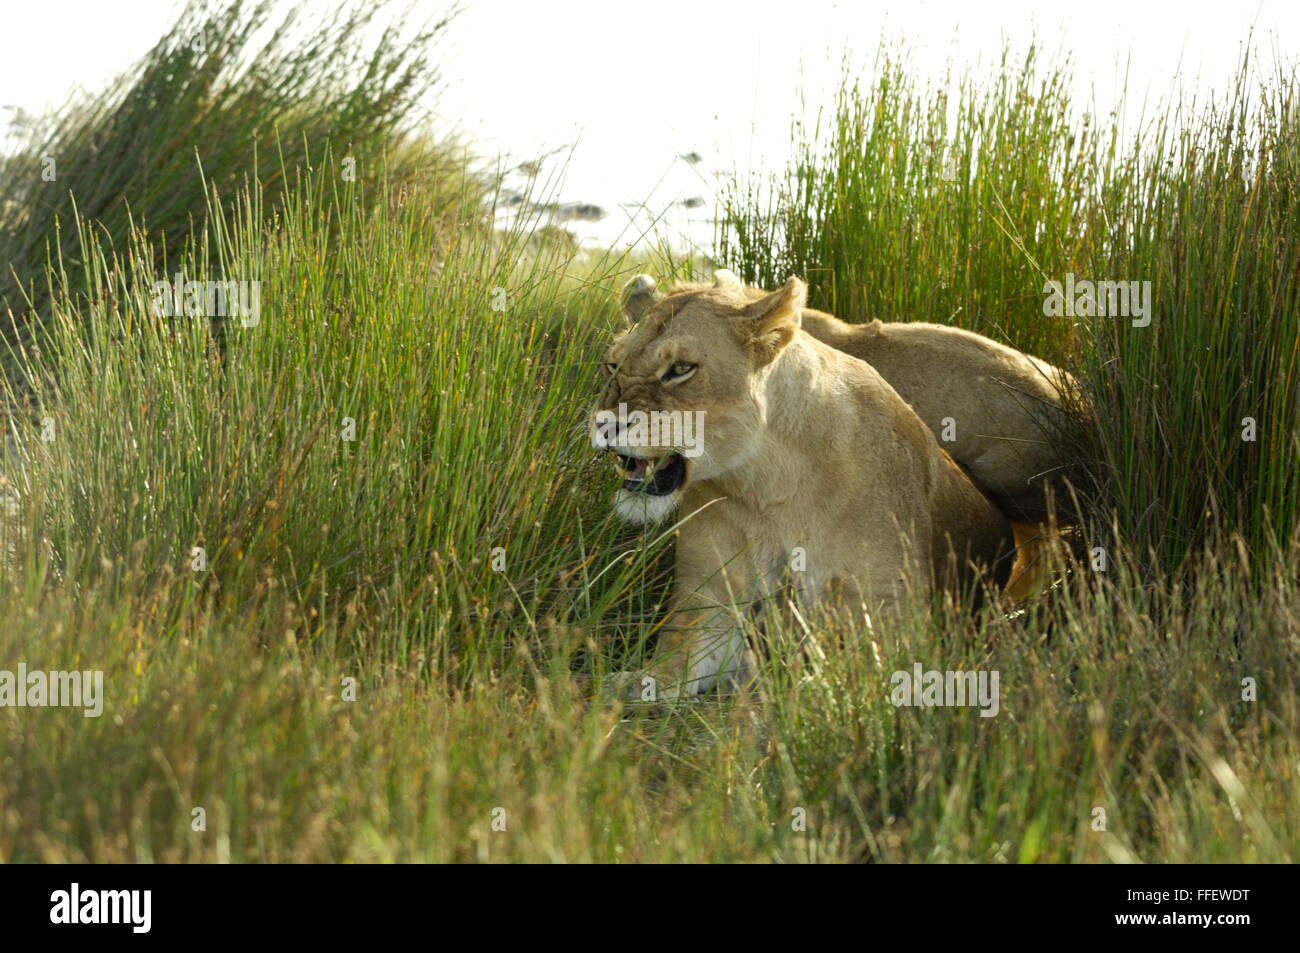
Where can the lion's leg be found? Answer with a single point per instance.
(702, 642)
(703, 639)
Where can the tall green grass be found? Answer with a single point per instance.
(364, 449)
(942, 202)
(1199, 414)
(227, 97)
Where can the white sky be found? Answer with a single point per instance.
(635, 85)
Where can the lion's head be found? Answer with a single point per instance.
(680, 403)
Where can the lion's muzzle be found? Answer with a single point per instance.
(655, 476)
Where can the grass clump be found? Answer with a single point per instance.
(225, 98)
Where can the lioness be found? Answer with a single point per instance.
(800, 445)
(992, 407)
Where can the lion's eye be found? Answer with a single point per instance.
(678, 371)
(609, 368)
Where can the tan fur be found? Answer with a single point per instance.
(1042, 551)
(803, 446)
(1003, 404)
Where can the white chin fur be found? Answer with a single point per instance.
(643, 508)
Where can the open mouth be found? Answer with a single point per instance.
(656, 476)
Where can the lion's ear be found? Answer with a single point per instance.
(724, 278)
(773, 320)
(638, 295)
